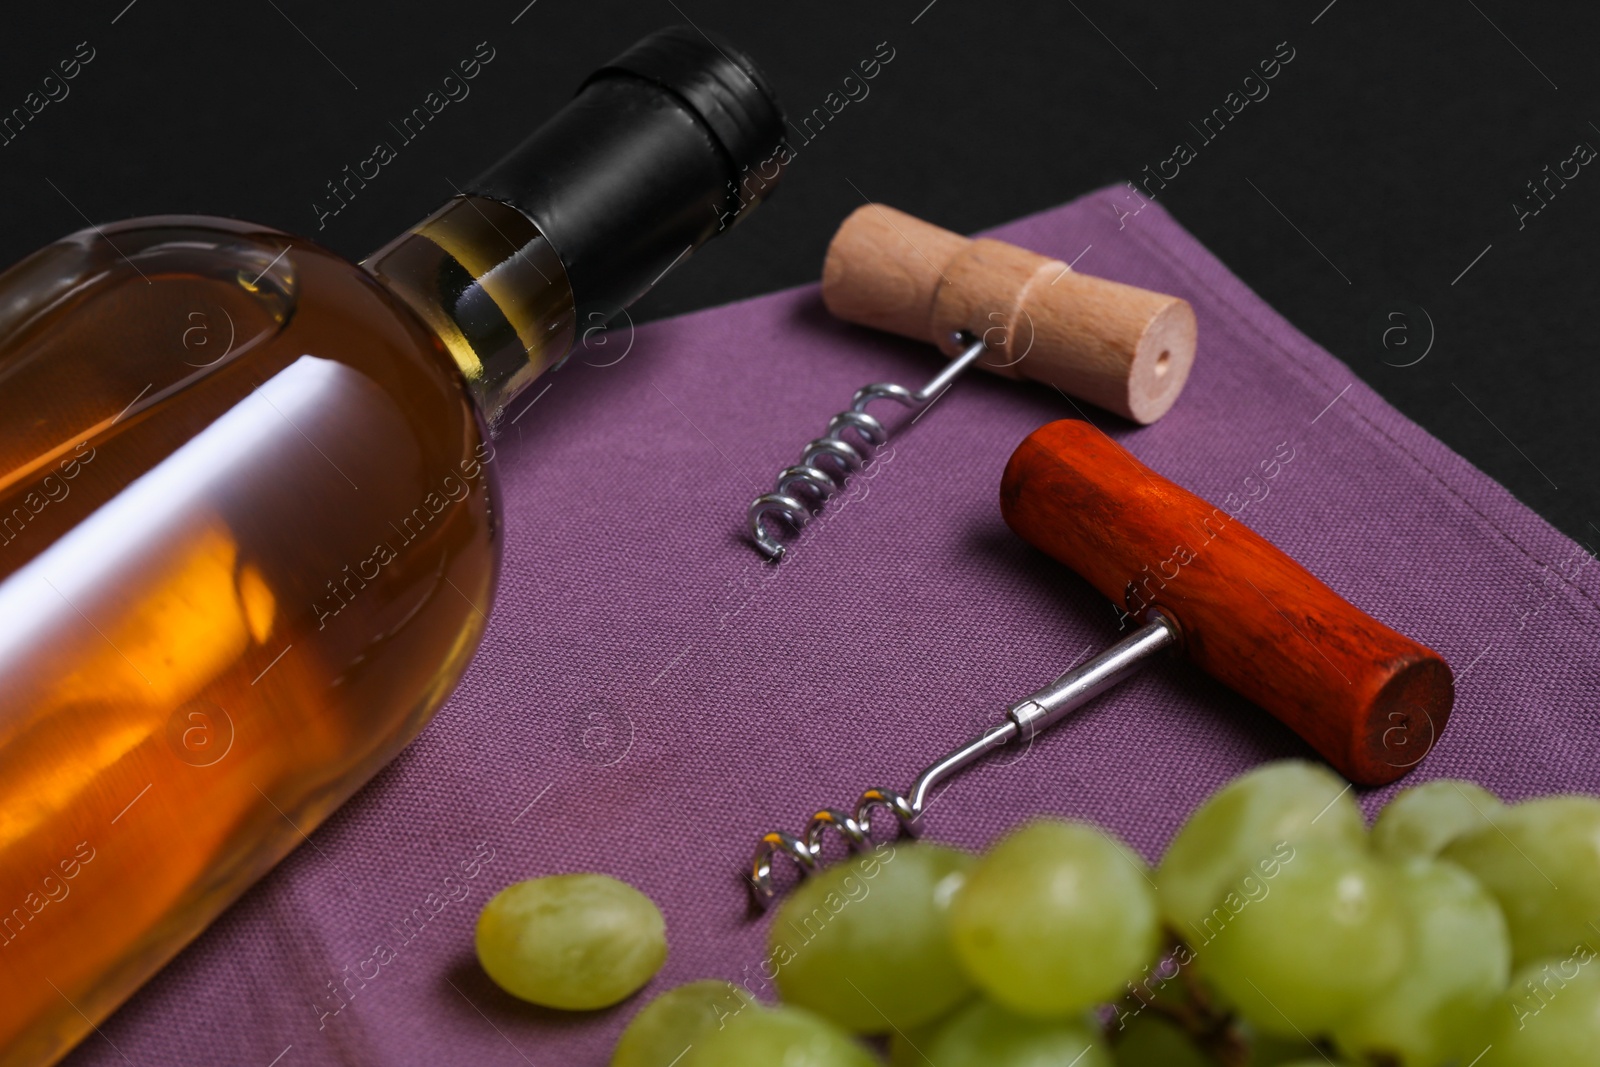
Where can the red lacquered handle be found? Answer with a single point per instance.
(1371, 700)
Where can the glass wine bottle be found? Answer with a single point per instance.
(249, 523)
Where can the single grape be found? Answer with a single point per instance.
(1309, 948)
(983, 1034)
(781, 1037)
(1150, 1040)
(1459, 964)
(1541, 861)
(573, 941)
(1243, 832)
(1055, 918)
(866, 943)
(678, 1018)
(1550, 1017)
(1422, 820)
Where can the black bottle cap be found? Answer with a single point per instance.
(662, 148)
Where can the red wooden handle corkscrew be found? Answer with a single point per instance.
(1371, 700)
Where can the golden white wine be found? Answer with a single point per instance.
(248, 516)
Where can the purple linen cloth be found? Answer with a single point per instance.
(651, 697)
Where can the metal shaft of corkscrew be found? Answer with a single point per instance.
(805, 487)
(1024, 720)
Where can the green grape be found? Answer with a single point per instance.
(983, 1034)
(1541, 860)
(675, 1020)
(866, 944)
(573, 941)
(1242, 832)
(781, 1037)
(1422, 820)
(1460, 963)
(1311, 946)
(1055, 918)
(1150, 1040)
(1550, 1017)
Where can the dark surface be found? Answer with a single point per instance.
(1388, 155)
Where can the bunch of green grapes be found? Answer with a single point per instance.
(1277, 930)
(959, 961)
(1457, 932)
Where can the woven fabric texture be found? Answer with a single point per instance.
(651, 696)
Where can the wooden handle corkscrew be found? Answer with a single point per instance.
(1126, 349)
(1369, 699)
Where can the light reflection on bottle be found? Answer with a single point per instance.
(155, 572)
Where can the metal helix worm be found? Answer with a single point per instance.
(855, 828)
(803, 489)
(1023, 721)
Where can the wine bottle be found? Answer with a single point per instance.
(249, 523)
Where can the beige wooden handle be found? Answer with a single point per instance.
(1126, 349)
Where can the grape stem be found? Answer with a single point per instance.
(1213, 1030)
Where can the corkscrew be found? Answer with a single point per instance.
(1023, 721)
(803, 489)
(1125, 349)
(1369, 699)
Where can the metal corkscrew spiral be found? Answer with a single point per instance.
(803, 489)
(1023, 721)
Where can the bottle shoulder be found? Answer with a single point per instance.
(113, 320)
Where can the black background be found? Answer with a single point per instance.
(1388, 155)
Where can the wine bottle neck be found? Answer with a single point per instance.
(663, 148)
(488, 282)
